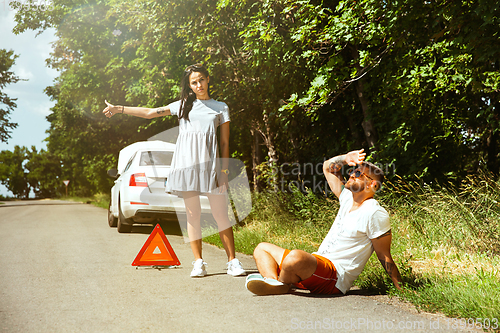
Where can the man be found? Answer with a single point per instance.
(361, 227)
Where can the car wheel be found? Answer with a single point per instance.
(112, 221)
(124, 224)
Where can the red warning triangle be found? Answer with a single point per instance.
(156, 251)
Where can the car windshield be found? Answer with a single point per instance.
(156, 158)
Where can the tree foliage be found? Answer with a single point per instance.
(7, 104)
(13, 174)
(415, 83)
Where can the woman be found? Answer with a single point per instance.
(195, 166)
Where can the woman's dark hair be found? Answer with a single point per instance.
(187, 94)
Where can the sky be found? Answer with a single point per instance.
(33, 105)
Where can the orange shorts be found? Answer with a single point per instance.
(323, 279)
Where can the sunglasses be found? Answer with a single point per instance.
(357, 173)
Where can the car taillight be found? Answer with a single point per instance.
(138, 179)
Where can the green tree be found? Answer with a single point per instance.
(44, 174)
(7, 60)
(95, 63)
(423, 74)
(414, 83)
(13, 173)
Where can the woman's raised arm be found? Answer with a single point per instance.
(141, 112)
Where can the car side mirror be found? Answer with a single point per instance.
(113, 173)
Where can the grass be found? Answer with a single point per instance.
(449, 241)
(446, 241)
(99, 200)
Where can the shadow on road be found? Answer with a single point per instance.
(169, 228)
(359, 292)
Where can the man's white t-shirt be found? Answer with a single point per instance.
(348, 243)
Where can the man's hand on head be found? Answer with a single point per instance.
(355, 157)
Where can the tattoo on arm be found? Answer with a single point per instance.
(388, 266)
(337, 163)
(160, 110)
(393, 271)
(386, 234)
(335, 167)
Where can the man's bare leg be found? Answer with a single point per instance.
(268, 258)
(297, 266)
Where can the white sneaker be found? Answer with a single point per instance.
(265, 286)
(254, 276)
(199, 268)
(234, 268)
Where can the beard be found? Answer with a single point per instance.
(354, 186)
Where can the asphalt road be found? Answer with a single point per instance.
(62, 269)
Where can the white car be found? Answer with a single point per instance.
(138, 195)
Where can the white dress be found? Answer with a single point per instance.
(195, 162)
